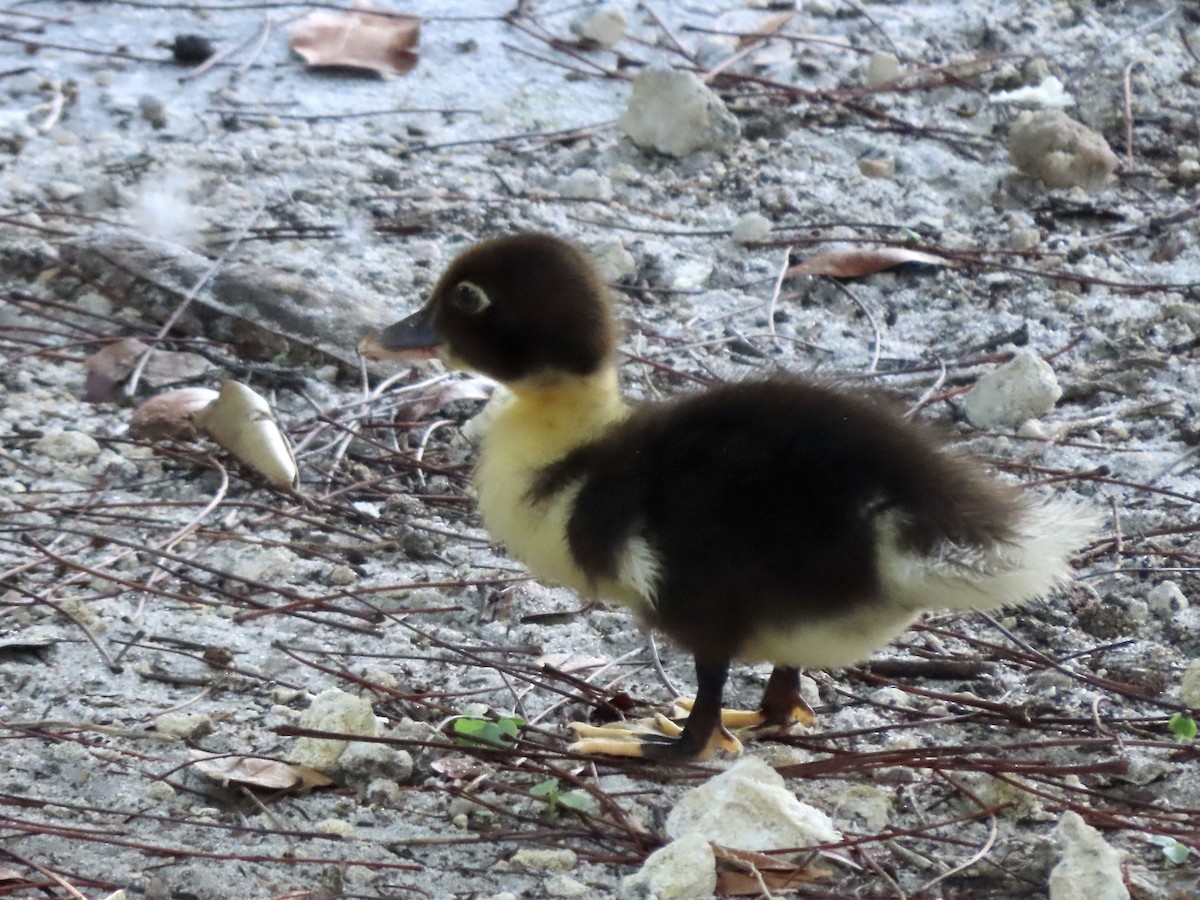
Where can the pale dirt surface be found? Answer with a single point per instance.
(141, 578)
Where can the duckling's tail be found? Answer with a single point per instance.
(1032, 562)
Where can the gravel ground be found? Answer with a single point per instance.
(157, 599)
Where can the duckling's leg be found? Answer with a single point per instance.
(782, 704)
(701, 736)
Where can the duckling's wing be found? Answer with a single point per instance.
(783, 501)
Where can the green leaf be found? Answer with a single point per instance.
(576, 800)
(1176, 854)
(1183, 727)
(545, 789)
(474, 730)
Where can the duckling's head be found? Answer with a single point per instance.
(525, 307)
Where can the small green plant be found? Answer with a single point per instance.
(1183, 727)
(548, 791)
(1174, 852)
(475, 730)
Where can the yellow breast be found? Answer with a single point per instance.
(536, 427)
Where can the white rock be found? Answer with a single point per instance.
(566, 886)
(1052, 146)
(66, 445)
(1089, 868)
(586, 184)
(865, 802)
(1023, 388)
(15, 130)
(369, 760)
(683, 869)
(332, 710)
(748, 807)
(751, 227)
(892, 696)
(339, 827)
(545, 860)
(675, 113)
(612, 260)
(1189, 687)
(606, 27)
(882, 68)
(184, 725)
(1166, 597)
(1047, 95)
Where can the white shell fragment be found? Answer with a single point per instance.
(1023, 388)
(749, 807)
(675, 113)
(241, 421)
(1050, 94)
(1089, 869)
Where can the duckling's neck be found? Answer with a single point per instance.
(547, 418)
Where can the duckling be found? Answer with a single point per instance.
(781, 520)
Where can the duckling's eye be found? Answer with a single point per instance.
(470, 298)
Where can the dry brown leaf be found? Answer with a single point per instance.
(261, 773)
(111, 365)
(855, 262)
(169, 416)
(460, 767)
(744, 873)
(443, 394)
(358, 39)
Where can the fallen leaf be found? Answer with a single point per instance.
(169, 416)
(744, 873)
(855, 262)
(241, 421)
(460, 767)
(256, 772)
(111, 365)
(443, 394)
(358, 39)
(8, 875)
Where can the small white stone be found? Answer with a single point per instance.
(1166, 597)
(1051, 146)
(67, 445)
(751, 227)
(339, 827)
(342, 575)
(606, 27)
(370, 760)
(332, 710)
(1033, 430)
(1023, 388)
(184, 725)
(545, 860)
(749, 807)
(675, 113)
(1189, 170)
(684, 869)
(882, 68)
(613, 262)
(877, 166)
(1089, 868)
(566, 886)
(892, 696)
(1189, 687)
(586, 184)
